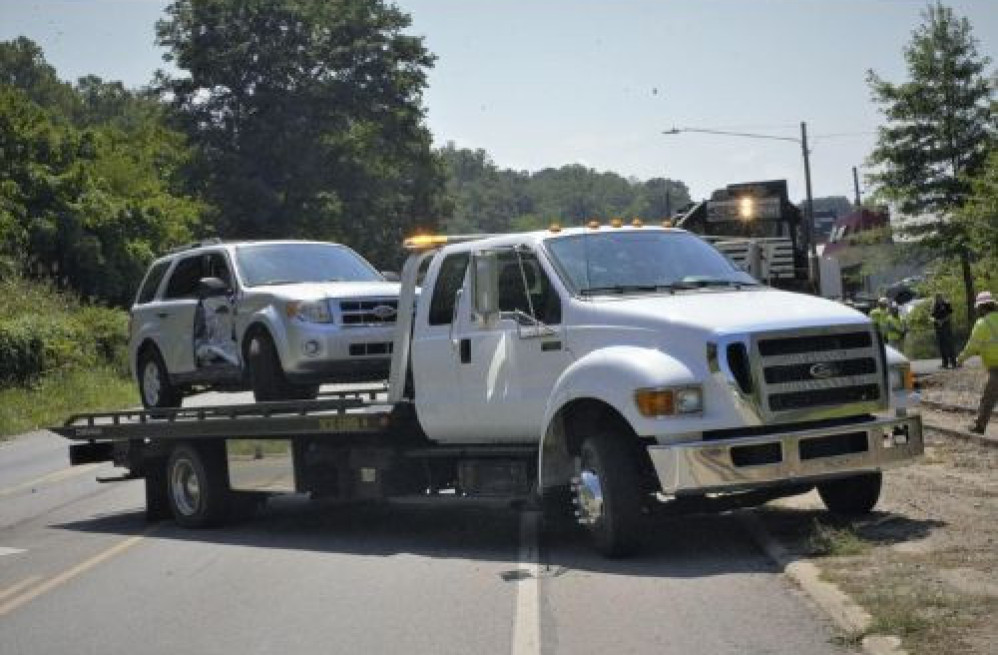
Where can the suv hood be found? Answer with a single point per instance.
(332, 290)
(725, 312)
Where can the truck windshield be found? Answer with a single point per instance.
(642, 262)
(295, 263)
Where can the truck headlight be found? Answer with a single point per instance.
(309, 311)
(669, 401)
(901, 378)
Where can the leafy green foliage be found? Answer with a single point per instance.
(489, 199)
(307, 117)
(90, 187)
(940, 129)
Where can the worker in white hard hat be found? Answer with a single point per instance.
(984, 342)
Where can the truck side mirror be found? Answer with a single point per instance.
(485, 286)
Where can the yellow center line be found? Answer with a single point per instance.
(55, 476)
(27, 582)
(17, 601)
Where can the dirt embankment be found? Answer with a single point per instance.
(925, 564)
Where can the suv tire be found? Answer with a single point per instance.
(267, 377)
(155, 389)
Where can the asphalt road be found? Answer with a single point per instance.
(81, 571)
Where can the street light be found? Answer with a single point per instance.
(809, 213)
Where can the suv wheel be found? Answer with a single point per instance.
(154, 382)
(267, 377)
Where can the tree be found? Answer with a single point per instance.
(308, 118)
(940, 127)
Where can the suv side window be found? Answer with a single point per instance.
(524, 286)
(183, 282)
(151, 284)
(449, 280)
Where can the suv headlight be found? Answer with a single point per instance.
(309, 311)
(901, 378)
(669, 401)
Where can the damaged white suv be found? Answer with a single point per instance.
(277, 317)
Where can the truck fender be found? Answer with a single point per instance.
(603, 381)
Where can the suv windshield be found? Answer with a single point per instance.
(642, 261)
(293, 263)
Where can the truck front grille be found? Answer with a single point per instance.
(839, 369)
(364, 313)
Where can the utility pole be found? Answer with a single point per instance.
(855, 186)
(814, 264)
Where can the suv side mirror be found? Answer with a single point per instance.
(391, 276)
(485, 286)
(212, 287)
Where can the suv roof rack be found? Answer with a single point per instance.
(197, 244)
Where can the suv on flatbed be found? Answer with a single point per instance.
(278, 317)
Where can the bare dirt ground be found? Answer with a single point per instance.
(925, 563)
(960, 387)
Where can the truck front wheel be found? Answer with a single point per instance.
(197, 486)
(854, 495)
(607, 494)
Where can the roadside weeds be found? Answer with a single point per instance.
(923, 566)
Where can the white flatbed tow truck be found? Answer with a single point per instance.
(610, 371)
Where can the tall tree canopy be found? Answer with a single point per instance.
(308, 118)
(489, 199)
(90, 178)
(940, 128)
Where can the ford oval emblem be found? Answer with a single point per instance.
(823, 370)
(384, 311)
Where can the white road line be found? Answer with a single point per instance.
(10, 551)
(527, 624)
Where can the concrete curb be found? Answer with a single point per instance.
(840, 608)
(980, 439)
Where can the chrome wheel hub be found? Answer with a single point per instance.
(588, 497)
(185, 487)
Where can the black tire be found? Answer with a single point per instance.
(157, 503)
(615, 528)
(155, 389)
(197, 485)
(267, 377)
(855, 495)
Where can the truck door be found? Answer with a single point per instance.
(435, 352)
(508, 369)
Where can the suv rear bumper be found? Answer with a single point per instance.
(745, 463)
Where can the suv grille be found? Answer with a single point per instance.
(814, 370)
(362, 313)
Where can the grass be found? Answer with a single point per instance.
(829, 541)
(60, 394)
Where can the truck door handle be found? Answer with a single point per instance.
(465, 351)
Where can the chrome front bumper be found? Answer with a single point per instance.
(745, 463)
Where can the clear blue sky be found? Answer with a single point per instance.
(546, 83)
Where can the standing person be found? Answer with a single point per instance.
(942, 315)
(984, 342)
(879, 316)
(894, 328)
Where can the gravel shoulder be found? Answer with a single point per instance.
(925, 564)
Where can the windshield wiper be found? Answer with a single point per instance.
(267, 283)
(621, 289)
(738, 284)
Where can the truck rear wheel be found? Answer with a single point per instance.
(197, 486)
(854, 495)
(607, 494)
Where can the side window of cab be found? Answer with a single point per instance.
(449, 280)
(524, 289)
